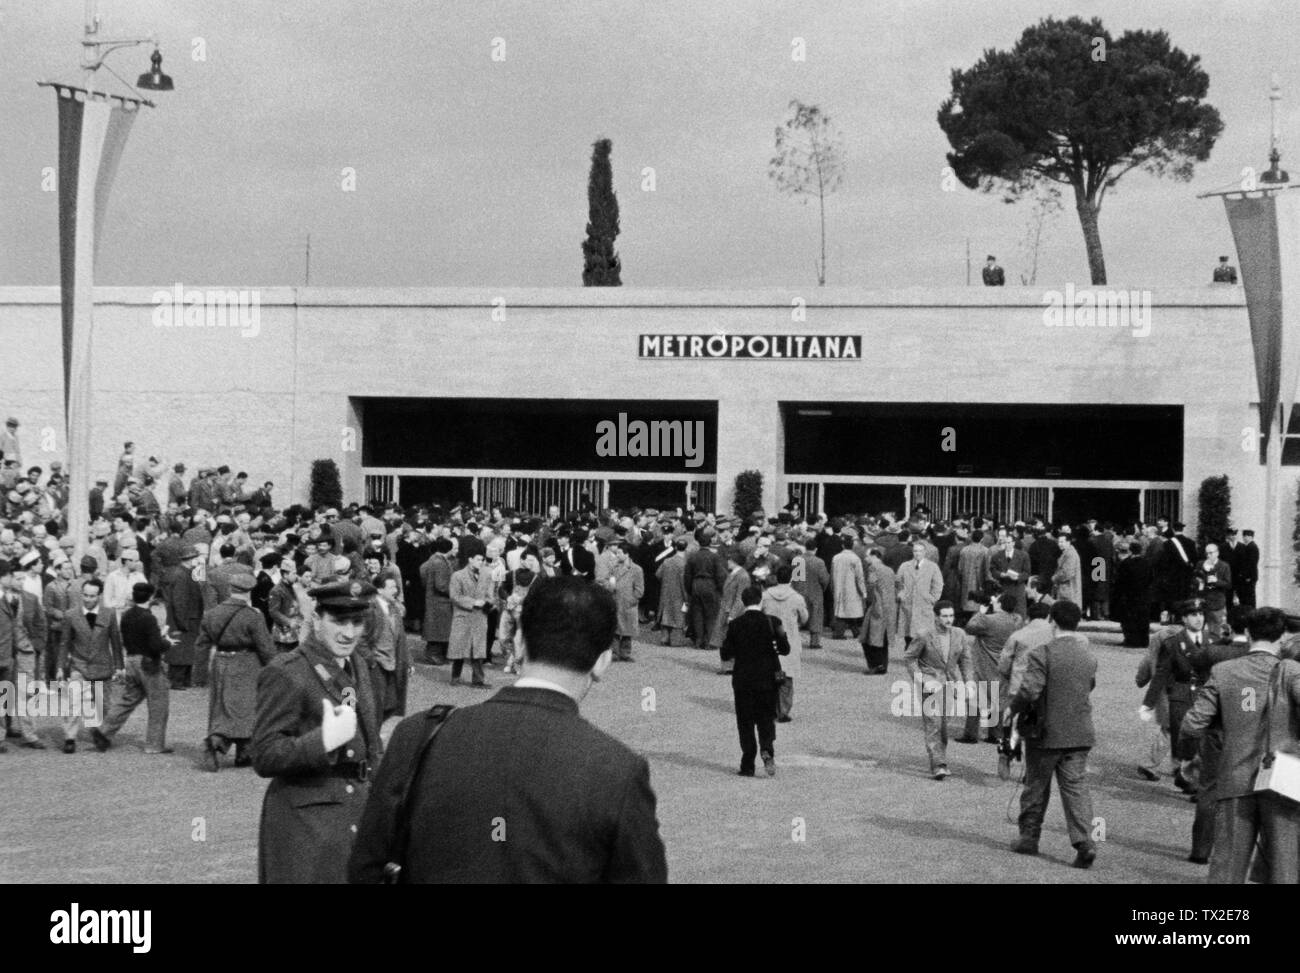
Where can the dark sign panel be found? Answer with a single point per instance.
(825, 347)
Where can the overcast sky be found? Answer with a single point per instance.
(471, 171)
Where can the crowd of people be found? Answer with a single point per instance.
(209, 584)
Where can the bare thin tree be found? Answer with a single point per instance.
(809, 161)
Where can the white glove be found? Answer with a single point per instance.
(338, 725)
(1146, 714)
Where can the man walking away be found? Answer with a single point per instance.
(146, 675)
(755, 642)
(1058, 679)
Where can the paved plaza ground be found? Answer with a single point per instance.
(852, 800)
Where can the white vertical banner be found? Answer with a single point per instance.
(92, 135)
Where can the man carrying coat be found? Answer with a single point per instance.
(317, 738)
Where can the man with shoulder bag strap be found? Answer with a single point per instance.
(1256, 701)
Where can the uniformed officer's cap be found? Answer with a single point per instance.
(343, 596)
(188, 551)
(242, 582)
(1190, 606)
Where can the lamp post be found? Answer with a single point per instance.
(93, 128)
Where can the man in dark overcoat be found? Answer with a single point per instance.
(317, 738)
(238, 634)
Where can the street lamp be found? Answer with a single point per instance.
(93, 128)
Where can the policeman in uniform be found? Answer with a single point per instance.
(243, 645)
(317, 738)
(1175, 676)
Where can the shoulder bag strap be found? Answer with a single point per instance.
(434, 720)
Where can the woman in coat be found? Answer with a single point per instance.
(472, 594)
(435, 574)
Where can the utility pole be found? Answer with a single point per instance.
(968, 261)
(307, 281)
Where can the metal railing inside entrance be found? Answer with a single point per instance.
(531, 492)
(534, 494)
(1003, 503)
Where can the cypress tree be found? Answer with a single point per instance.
(601, 265)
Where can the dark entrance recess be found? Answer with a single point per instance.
(660, 494)
(446, 491)
(1002, 441)
(523, 434)
(854, 498)
(1071, 505)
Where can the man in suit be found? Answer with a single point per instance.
(183, 597)
(1243, 815)
(56, 601)
(17, 654)
(1176, 569)
(1173, 676)
(316, 735)
(145, 679)
(1131, 595)
(972, 574)
(1246, 570)
(1213, 581)
(1058, 679)
(1008, 569)
(389, 660)
(754, 643)
(729, 604)
(91, 653)
(939, 664)
(494, 798)
(1067, 580)
(1210, 750)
